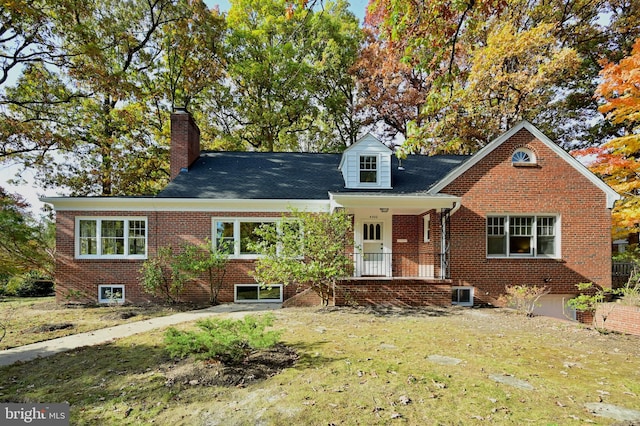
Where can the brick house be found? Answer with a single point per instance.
(437, 230)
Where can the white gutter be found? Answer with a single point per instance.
(182, 204)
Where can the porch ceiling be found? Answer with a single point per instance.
(406, 204)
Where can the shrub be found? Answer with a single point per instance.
(630, 293)
(305, 248)
(589, 299)
(162, 276)
(35, 288)
(12, 285)
(28, 286)
(524, 298)
(204, 258)
(226, 340)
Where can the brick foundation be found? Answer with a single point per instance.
(304, 298)
(400, 292)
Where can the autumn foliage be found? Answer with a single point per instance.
(617, 160)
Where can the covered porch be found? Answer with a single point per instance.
(399, 236)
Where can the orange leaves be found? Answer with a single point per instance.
(292, 6)
(620, 89)
(619, 163)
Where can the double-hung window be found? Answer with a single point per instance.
(111, 238)
(523, 236)
(368, 169)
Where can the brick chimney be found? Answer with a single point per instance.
(185, 141)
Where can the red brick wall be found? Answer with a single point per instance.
(619, 318)
(164, 228)
(393, 292)
(306, 297)
(553, 186)
(412, 251)
(185, 142)
(85, 275)
(177, 228)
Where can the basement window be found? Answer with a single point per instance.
(462, 296)
(111, 294)
(250, 293)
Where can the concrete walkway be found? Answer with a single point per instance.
(96, 337)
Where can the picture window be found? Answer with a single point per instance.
(522, 236)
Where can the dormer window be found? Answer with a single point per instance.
(366, 164)
(368, 169)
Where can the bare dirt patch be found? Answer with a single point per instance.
(46, 328)
(258, 366)
(114, 316)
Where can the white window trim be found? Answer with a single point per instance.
(471, 295)
(378, 158)
(99, 254)
(508, 216)
(427, 228)
(101, 300)
(235, 294)
(527, 151)
(236, 233)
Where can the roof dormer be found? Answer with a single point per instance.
(366, 164)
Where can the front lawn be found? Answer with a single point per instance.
(358, 366)
(34, 319)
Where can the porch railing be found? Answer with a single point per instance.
(400, 265)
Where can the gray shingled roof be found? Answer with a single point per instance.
(294, 176)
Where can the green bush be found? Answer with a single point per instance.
(13, 284)
(162, 276)
(226, 340)
(35, 288)
(28, 285)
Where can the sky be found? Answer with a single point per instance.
(32, 192)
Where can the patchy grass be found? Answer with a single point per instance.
(358, 366)
(36, 319)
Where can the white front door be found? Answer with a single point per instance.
(374, 262)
